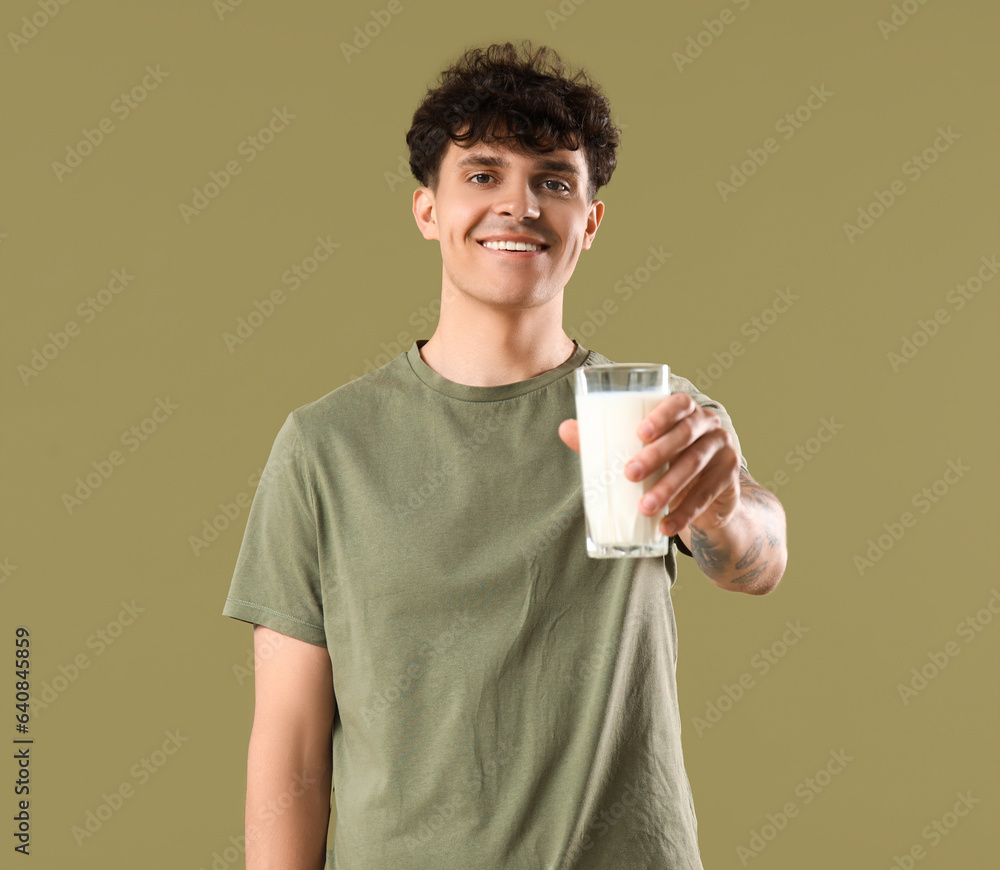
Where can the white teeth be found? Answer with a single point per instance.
(512, 246)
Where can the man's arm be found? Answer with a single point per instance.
(748, 553)
(289, 765)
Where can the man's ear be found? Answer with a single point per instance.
(424, 212)
(594, 217)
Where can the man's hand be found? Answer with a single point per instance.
(733, 527)
(703, 481)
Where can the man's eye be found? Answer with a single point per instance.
(563, 185)
(482, 175)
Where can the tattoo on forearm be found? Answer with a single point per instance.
(755, 493)
(752, 554)
(750, 575)
(772, 537)
(708, 555)
(716, 559)
(757, 496)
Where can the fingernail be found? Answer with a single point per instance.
(646, 429)
(634, 468)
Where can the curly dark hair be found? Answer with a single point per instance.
(508, 92)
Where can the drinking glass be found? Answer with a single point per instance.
(611, 401)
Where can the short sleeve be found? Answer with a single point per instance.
(679, 385)
(276, 582)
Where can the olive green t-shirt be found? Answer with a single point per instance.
(504, 701)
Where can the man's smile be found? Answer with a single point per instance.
(517, 247)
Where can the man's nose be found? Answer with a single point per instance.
(518, 201)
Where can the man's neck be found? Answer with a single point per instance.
(496, 350)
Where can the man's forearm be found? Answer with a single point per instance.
(287, 810)
(749, 553)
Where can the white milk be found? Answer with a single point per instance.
(607, 422)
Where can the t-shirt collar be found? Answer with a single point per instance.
(470, 393)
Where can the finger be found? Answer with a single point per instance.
(569, 432)
(672, 523)
(703, 500)
(666, 414)
(679, 496)
(705, 504)
(684, 433)
(686, 467)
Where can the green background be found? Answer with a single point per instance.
(338, 170)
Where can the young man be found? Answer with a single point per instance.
(429, 629)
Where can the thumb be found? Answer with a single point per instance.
(569, 432)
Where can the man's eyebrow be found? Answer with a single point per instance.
(548, 164)
(552, 164)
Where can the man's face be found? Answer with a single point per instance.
(489, 193)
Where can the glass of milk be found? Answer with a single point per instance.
(611, 402)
